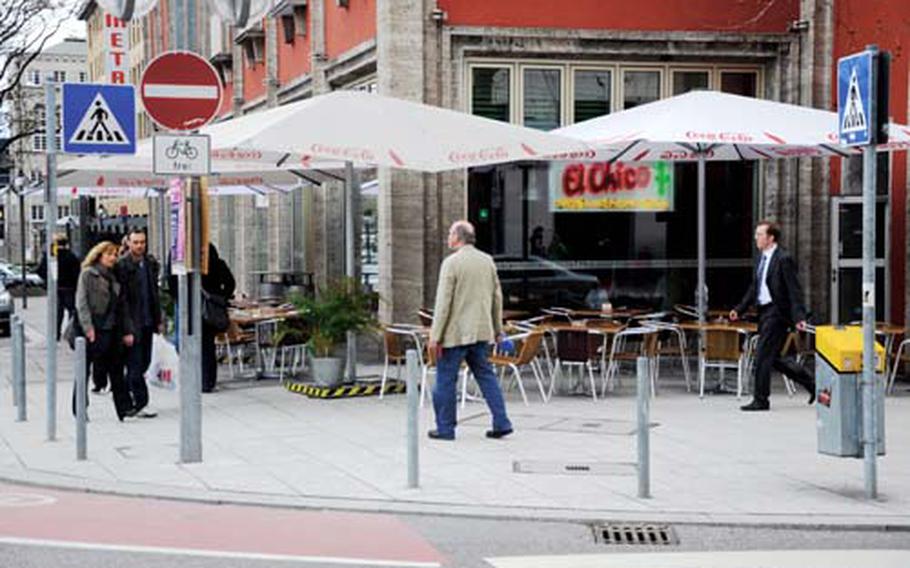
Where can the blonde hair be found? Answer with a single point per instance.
(96, 252)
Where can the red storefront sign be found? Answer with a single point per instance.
(606, 186)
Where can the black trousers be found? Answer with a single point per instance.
(66, 302)
(773, 329)
(105, 357)
(209, 364)
(138, 358)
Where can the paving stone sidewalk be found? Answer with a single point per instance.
(262, 444)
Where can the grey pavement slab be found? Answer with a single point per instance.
(711, 463)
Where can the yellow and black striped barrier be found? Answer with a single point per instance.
(345, 391)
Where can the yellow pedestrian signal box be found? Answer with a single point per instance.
(842, 348)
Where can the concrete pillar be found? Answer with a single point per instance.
(402, 202)
(271, 62)
(815, 47)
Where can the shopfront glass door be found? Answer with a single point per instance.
(847, 259)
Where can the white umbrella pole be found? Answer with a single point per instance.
(349, 189)
(701, 291)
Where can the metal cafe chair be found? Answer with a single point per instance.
(724, 349)
(397, 338)
(628, 345)
(902, 356)
(526, 356)
(668, 330)
(272, 357)
(426, 316)
(577, 348)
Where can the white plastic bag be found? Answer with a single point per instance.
(164, 368)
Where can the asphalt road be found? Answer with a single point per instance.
(42, 528)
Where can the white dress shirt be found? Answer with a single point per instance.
(764, 294)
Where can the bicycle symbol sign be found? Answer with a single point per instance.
(185, 154)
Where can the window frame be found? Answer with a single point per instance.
(661, 79)
(511, 90)
(570, 99)
(521, 93)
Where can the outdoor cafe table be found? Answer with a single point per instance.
(248, 317)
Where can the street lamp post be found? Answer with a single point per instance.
(19, 184)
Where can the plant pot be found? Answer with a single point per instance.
(327, 371)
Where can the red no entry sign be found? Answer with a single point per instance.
(180, 90)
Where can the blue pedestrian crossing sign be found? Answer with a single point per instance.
(99, 119)
(854, 99)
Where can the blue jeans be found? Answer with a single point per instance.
(444, 395)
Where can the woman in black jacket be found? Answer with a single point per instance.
(217, 282)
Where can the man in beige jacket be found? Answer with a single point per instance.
(467, 318)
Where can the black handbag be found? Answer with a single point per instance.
(215, 312)
(72, 331)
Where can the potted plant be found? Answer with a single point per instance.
(342, 307)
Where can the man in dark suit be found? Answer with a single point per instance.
(138, 273)
(775, 290)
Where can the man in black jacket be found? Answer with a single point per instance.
(138, 273)
(67, 276)
(775, 290)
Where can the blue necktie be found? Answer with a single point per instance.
(758, 280)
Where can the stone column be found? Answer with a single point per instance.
(402, 214)
(815, 46)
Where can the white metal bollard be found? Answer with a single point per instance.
(413, 371)
(644, 452)
(80, 400)
(19, 369)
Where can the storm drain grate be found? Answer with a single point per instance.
(635, 534)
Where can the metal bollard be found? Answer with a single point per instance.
(413, 371)
(14, 367)
(81, 403)
(644, 451)
(19, 370)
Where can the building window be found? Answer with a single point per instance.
(685, 81)
(35, 76)
(83, 76)
(490, 92)
(60, 76)
(640, 87)
(592, 94)
(252, 40)
(37, 213)
(2, 222)
(39, 142)
(542, 98)
(293, 19)
(63, 211)
(743, 83)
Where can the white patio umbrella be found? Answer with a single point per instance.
(366, 129)
(708, 125)
(362, 129)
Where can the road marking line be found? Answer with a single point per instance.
(697, 559)
(25, 500)
(215, 553)
(164, 91)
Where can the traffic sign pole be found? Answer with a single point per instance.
(182, 91)
(50, 216)
(870, 436)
